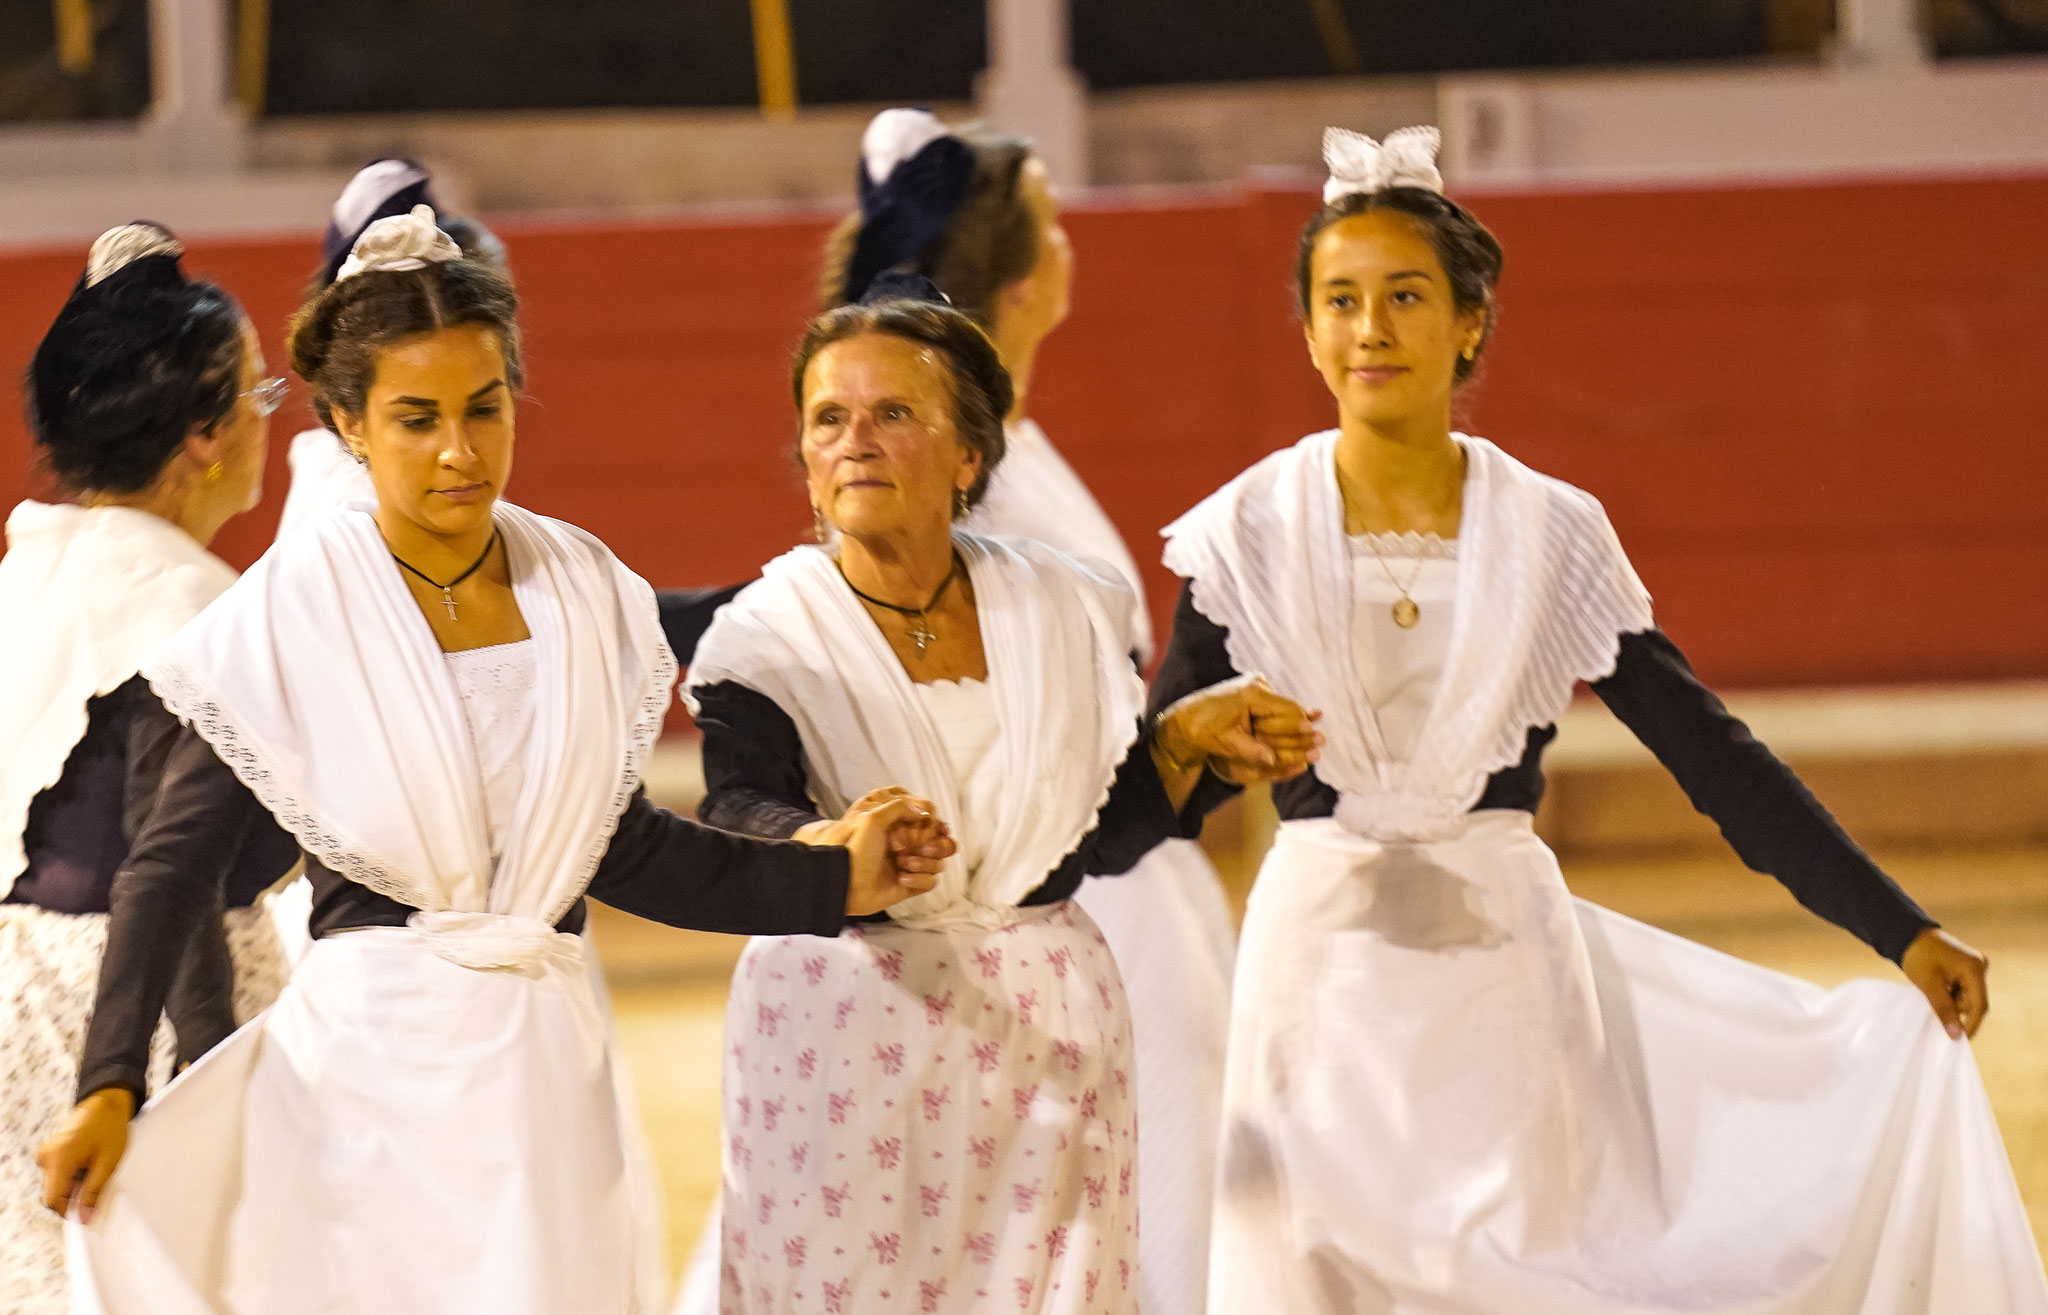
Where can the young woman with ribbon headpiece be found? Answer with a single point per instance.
(1453, 1087)
(934, 1111)
(975, 213)
(447, 700)
(146, 397)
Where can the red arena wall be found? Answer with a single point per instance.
(1815, 413)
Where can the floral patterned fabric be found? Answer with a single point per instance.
(931, 1120)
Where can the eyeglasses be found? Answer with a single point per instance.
(269, 395)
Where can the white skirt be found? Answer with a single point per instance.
(1455, 1089)
(1169, 928)
(399, 1135)
(49, 974)
(930, 1121)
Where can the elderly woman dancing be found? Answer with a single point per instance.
(447, 700)
(936, 1111)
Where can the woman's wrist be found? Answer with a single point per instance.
(1174, 749)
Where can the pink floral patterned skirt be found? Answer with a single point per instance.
(931, 1121)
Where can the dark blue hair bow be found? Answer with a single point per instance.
(335, 244)
(899, 285)
(901, 215)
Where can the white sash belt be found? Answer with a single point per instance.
(496, 941)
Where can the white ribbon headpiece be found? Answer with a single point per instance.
(893, 136)
(123, 246)
(1407, 158)
(400, 242)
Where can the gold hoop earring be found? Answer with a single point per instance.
(215, 472)
(959, 504)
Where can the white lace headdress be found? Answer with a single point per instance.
(400, 242)
(118, 248)
(1357, 163)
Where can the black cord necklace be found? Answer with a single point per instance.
(448, 590)
(920, 632)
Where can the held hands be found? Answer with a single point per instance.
(1242, 730)
(897, 845)
(1952, 977)
(80, 1156)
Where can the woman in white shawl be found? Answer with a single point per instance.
(934, 1112)
(1452, 1087)
(447, 700)
(975, 213)
(146, 397)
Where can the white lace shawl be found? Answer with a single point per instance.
(317, 679)
(88, 593)
(1544, 595)
(1057, 635)
(1035, 494)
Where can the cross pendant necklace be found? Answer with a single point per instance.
(920, 630)
(448, 590)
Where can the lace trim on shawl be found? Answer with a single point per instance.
(1412, 544)
(655, 691)
(188, 696)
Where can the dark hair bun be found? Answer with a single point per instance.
(138, 357)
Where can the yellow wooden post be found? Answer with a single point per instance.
(74, 35)
(252, 55)
(1335, 29)
(774, 59)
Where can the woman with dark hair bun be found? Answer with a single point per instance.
(147, 403)
(937, 1106)
(975, 213)
(447, 701)
(1452, 1086)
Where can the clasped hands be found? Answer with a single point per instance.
(1241, 730)
(897, 844)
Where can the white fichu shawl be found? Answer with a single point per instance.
(1057, 635)
(88, 594)
(317, 679)
(1544, 595)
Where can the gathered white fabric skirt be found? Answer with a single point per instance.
(1169, 928)
(931, 1120)
(49, 975)
(423, 1123)
(1456, 1089)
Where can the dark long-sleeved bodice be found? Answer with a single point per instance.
(1771, 820)
(658, 866)
(686, 614)
(79, 830)
(754, 782)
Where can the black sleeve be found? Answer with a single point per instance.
(754, 779)
(201, 999)
(1767, 814)
(1197, 656)
(686, 614)
(678, 872)
(166, 893)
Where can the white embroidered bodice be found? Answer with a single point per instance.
(1401, 669)
(497, 689)
(965, 713)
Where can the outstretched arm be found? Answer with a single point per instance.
(1777, 827)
